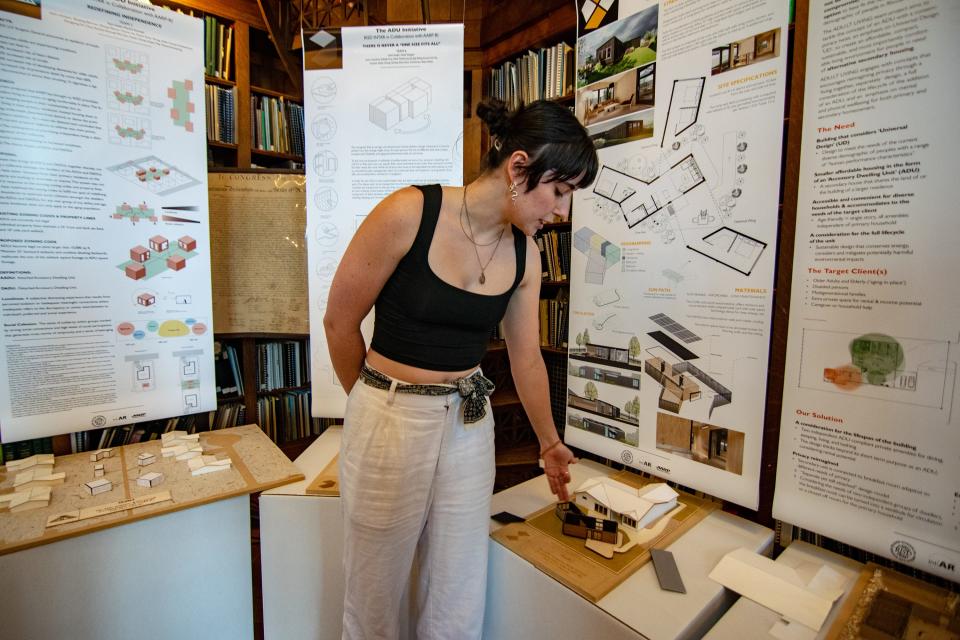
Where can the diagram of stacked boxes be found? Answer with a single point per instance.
(403, 109)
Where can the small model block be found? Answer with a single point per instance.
(100, 485)
(207, 464)
(151, 479)
(172, 438)
(34, 498)
(139, 253)
(40, 459)
(159, 243)
(135, 271)
(146, 300)
(37, 477)
(100, 454)
(145, 459)
(189, 452)
(98, 471)
(187, 243)
(176, 262)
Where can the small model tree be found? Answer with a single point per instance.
(590, 391)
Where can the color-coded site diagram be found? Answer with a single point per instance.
(155, 175)
(146, 263)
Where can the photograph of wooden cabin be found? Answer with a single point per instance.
(701, 442)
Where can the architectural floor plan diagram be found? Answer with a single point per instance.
(684, 108)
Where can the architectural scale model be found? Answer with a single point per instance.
(100, 454)
(37, 477)
(151, 479)
(207, 464)
(98, 470)
(145, 459)
(26, 500)
(41, 459)
(180, 445)
(100, 485)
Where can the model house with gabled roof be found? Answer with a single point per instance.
(631, 507)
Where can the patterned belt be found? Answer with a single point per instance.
(473, 389)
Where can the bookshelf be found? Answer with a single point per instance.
(524, 55)
(254, 109)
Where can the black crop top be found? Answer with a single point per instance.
(425, 322)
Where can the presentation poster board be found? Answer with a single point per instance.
(104, 251)
(673, 245)
(870, 433)
(389, 115)
(257, 223)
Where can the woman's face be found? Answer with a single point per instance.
(537, 207)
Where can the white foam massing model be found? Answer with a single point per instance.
(632, 508)
(38, 460)
(32, 498)
(180, 444)
(99, 485)
(151, 479)
(146, 458)
(207, 464)
(37, 477)
(100, 454)
(98, 470)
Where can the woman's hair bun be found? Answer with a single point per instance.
(496, 115)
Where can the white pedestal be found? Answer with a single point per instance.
(523, 602)
(748, 620)
(185, 574)
(301, 553)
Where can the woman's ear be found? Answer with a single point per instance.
(517, 167)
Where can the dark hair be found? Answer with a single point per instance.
(548, 132)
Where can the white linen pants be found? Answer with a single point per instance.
(415, 486)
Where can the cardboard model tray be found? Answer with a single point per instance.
(566, 559)
(887, 604)
(257, 465)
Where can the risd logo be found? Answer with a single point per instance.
(903, 551)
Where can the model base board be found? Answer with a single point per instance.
(540, 541)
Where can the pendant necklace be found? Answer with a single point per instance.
(464, 211)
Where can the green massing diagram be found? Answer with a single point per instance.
(145, 263)
(134, 213)
(182, 108)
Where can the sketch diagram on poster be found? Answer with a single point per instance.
(181, 106)
(145, 263)
(404, 109)
(134, 213)
(128, 131)
(601, 254)
(323, 127)
(325, 164)
(154, 175)
(327, 234)
(143, 371)
(128, 81)
(684, 108)
(326, 198)
(189, 370)
(732, 249)
(876, 366)
(324, 90)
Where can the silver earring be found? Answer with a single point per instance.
(513, 192)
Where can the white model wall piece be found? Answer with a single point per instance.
(41, 459)
(26, 500)
(99, 485)
(145, 459)
(37, 477)
(151, 479)
(208, 464)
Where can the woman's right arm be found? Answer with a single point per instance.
(385, 236)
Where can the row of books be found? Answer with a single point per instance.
(277, 124)
(226, 415)
(25, 449)
(286, 417)
(220, 113)
(228, 368)
(554, 320)
(545, 74)
(217, 48)
(283, 365)
(554, 249)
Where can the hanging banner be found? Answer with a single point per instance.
(870, 434)
(104, 245)
(382, 112)
(673, 261)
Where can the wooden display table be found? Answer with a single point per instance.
(179, 568)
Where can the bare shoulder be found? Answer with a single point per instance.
(532, 268)
(393, 223)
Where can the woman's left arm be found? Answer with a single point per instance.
(521, 325)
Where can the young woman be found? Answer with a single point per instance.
(442, 266)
